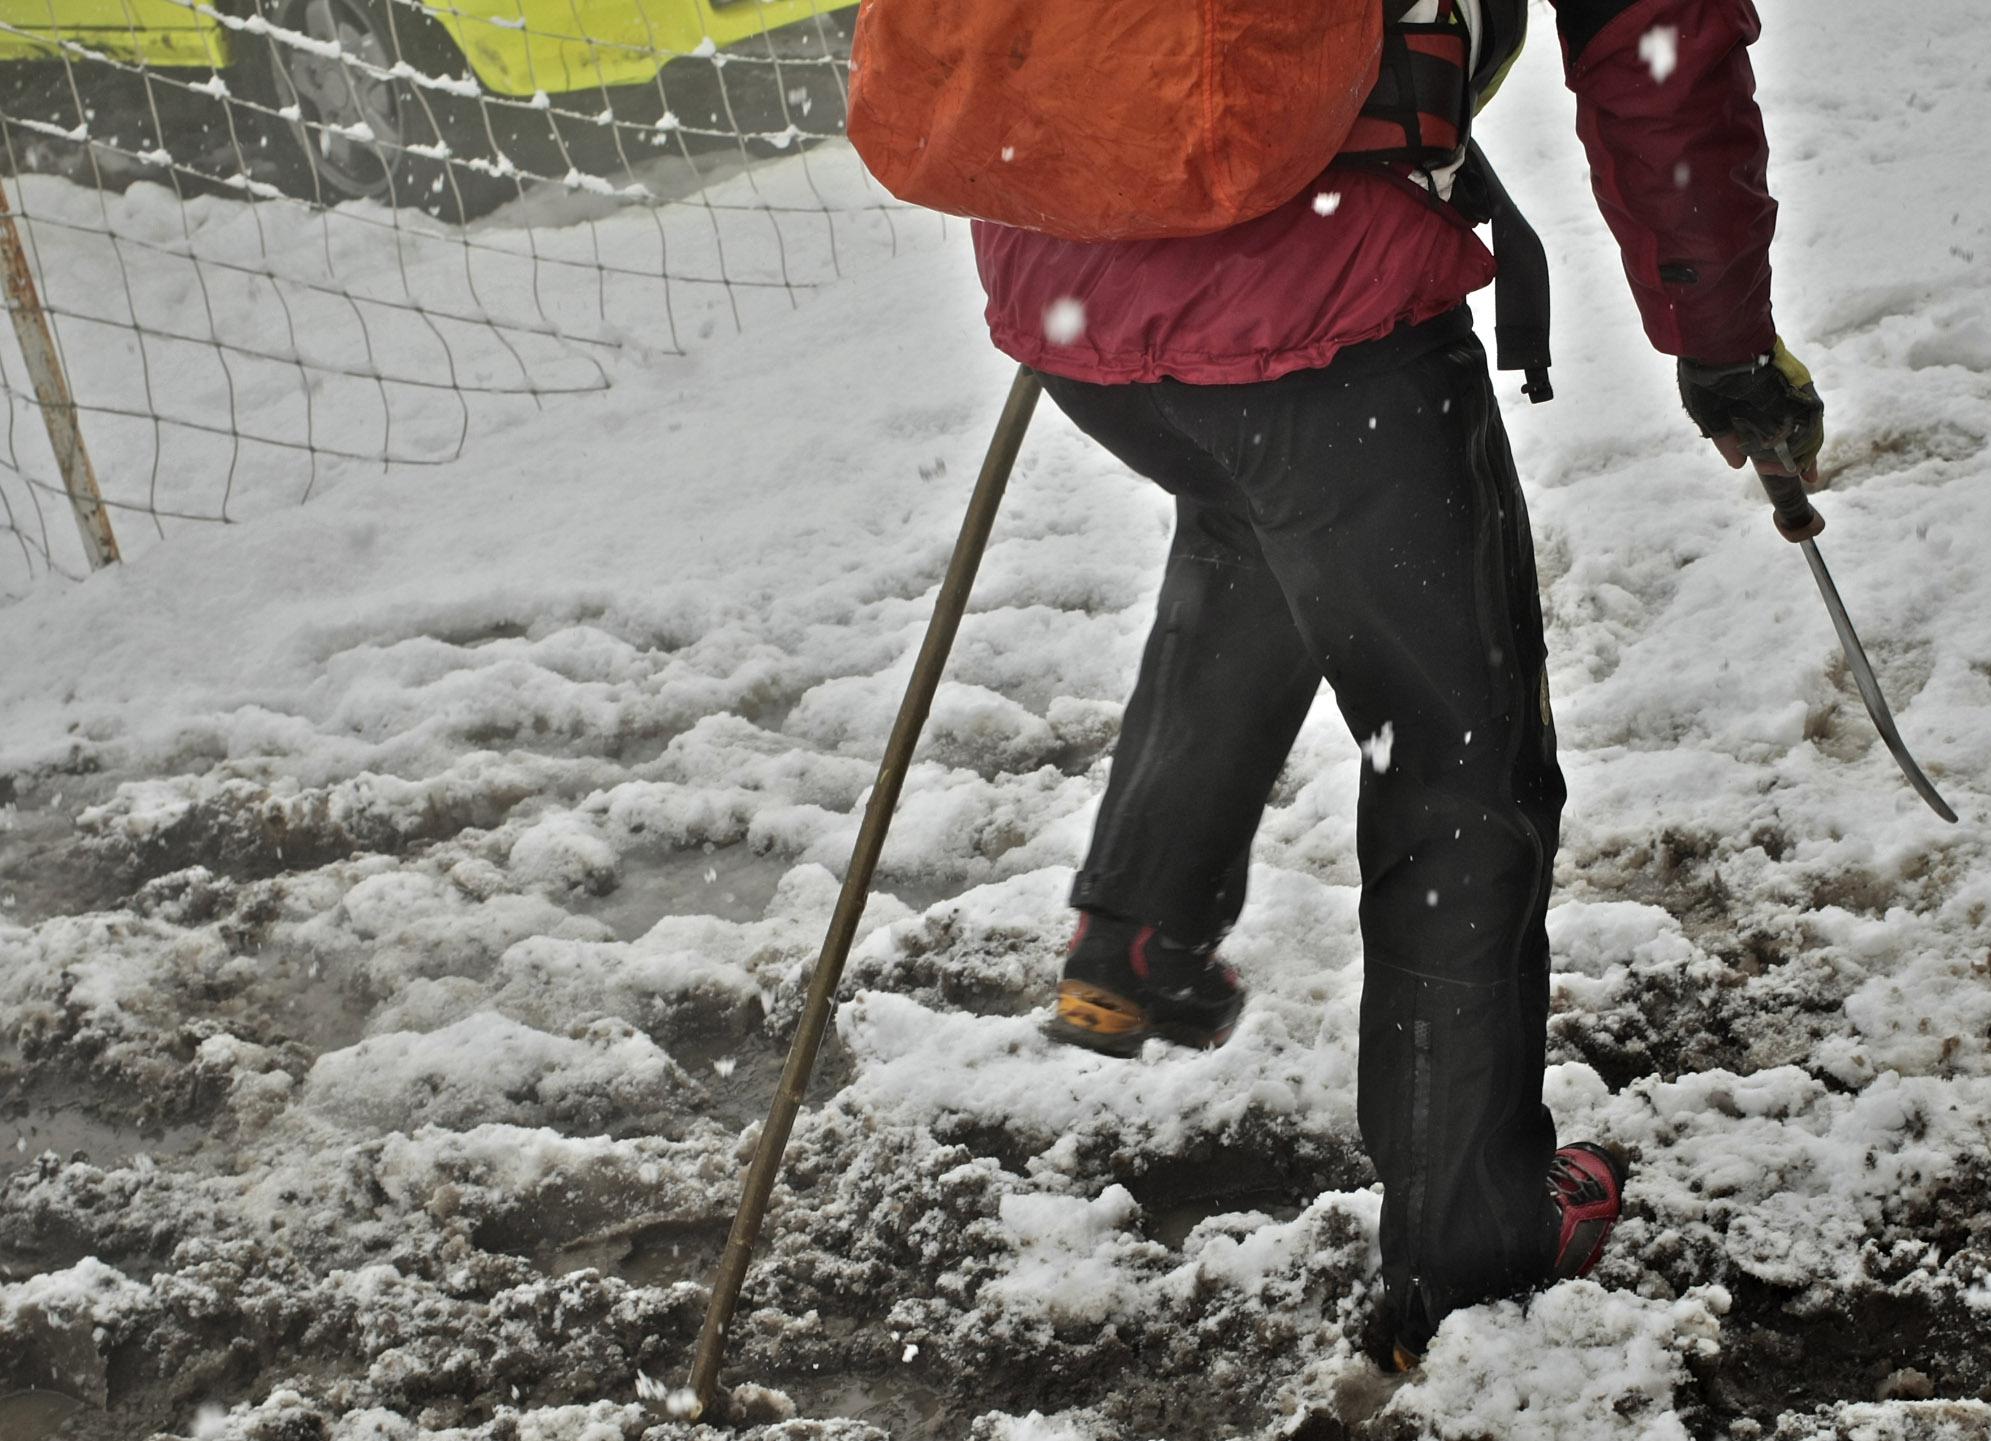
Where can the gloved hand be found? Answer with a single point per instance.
(1766, 411)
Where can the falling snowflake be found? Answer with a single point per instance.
(681, 1402)
(1064, 321)
(1378, 746)
(1659, 48)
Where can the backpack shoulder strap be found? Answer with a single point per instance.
(1420, 109)
(1435, 75)
(1420, 114)
(1506, 25)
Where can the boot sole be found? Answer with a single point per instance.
(1096, 1019)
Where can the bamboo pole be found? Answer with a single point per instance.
(58, 408)
(947, 612)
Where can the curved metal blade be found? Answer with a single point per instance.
(1863, 677)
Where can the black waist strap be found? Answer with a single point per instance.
(1521, 289)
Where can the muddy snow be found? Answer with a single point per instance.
(406, 901)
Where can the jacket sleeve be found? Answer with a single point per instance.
(1666, 109)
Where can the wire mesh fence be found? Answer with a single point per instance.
(281, 240)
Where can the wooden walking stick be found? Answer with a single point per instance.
(947, 612)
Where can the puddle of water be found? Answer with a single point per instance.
(41, 874)
(902, 1407)
(653, 1254)
(729, 882)
(1178, 1195)
(1172, 1224)
(67, 1130)
(35, 1415)
(322, 1017)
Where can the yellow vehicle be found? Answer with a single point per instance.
(441, 102)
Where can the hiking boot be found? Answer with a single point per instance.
(1587, 1184)
(1124, 982)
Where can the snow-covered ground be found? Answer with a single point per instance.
(405, 899)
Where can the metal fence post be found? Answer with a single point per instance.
(58, 408)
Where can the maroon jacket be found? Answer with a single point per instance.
(1678, 165)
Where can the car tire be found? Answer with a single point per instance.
(354, 133)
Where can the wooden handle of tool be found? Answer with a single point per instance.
(1796, 518)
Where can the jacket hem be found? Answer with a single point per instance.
(1194, 367)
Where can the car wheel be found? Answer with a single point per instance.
(359, 132)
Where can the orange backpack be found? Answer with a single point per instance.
(1108, 120)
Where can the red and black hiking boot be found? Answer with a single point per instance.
(1587, 1185)
(1125, 982)
(1586, 1188)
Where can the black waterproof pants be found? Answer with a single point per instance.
(1363, 523)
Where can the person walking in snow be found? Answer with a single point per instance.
(1313, 396)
